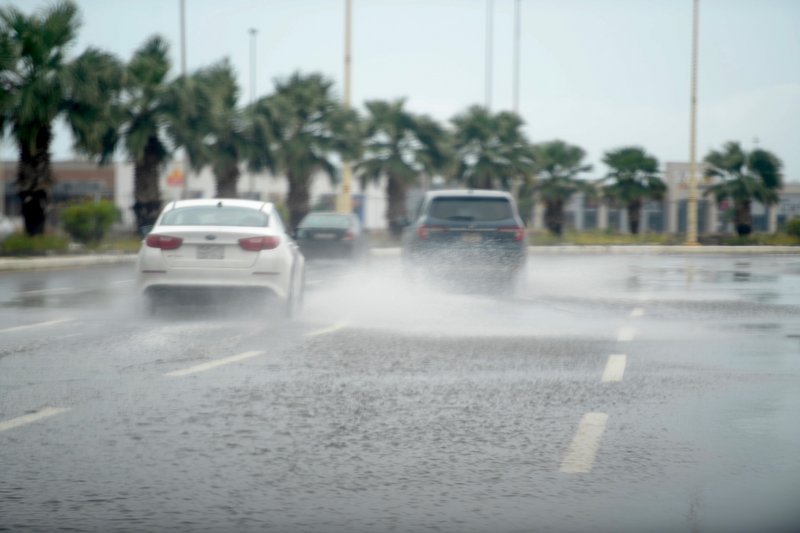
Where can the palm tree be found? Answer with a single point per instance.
(558, 165)
(744, 177)
(490, 149)
(38, 85)
(146, 107)
(399, 146)
(635, 179)
(211, 128)
(304, 130)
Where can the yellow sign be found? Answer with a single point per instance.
(175, 178)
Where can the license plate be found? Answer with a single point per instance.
(210, 251)
(472, 238)
(324, 236)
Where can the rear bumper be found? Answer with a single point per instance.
(328, 249)
(505, 259)
(186, 282)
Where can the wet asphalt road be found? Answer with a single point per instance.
(611, 393)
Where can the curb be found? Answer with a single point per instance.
(52, 263)
(70, 261)
(634, 249)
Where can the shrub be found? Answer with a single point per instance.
(19, 244)
(793, 227)
(88, 222)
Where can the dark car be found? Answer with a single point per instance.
(332, 235)
(476, 233)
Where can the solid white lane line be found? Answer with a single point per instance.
(214, 364)
(325, 331)
(637, 312)
(33, 417)
(581, 453)
(37, 325)
(615, 368)
(626, 334)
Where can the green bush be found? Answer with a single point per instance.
(793, 227)
(88, 222)
(19, 244)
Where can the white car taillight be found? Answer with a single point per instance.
(163, 242)
(256, 244)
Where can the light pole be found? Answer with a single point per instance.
(516, 55)
(345, 204)
(488, 73)
(691, 212)
(253, 33)
(185, 162)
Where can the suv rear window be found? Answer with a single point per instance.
(215, 216)
(326, 221)
(470, 209)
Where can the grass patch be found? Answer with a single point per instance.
(22, 245)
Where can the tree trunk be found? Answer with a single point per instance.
(297, 201)
(742, 217)
(634, 213)
(227, 179)
(147, 195)
(396, 215)
(554, 216)
(34, 180)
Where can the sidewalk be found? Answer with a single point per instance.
(10, 264)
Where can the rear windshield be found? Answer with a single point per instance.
(326, 221)
(471, 209)
(211, 215)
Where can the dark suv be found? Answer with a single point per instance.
(466, 232)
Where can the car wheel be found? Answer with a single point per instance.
(296, 294)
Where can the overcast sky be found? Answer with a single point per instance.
(597, 73)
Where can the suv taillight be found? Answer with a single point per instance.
(518, 231)
(424, 231)
(256, 244)
(163, 242)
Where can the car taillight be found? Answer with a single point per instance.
(519, 232)
(256, 244)
(348, 236)
(163, 242)
(424, 231)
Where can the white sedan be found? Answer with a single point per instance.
(220, 246)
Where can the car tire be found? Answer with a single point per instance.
(296, 294)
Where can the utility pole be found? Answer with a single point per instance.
(345, 199)
(488, 73)
(691, 212)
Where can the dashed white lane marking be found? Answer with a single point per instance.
(214, 364)
(49, 291)
(33, 417)
(123, 282)
(325, 331)
(37, 325)
(583, 449)
(626, 334)
(637, 312)
(615, 368)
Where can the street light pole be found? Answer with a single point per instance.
(488, 73)
(691, 214)
(185, 162)
(516, 55)
(253, 33)
(345, 204)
